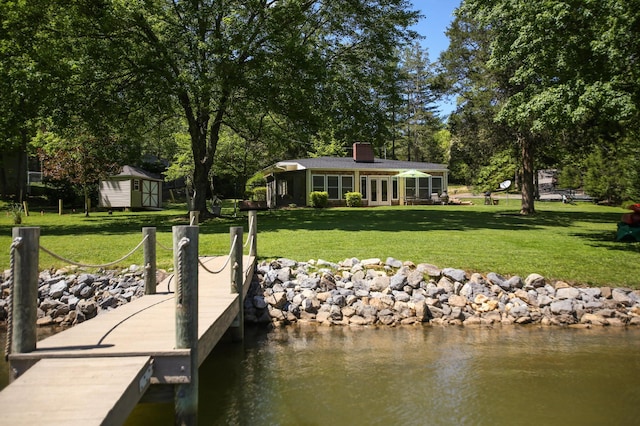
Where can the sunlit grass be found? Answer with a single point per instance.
(574, 243)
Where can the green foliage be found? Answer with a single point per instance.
(415, 115)
(353, 199)
(319, 199)
(16, 212)
(543, 71)
(501, 167)
(256, 180)
(611, 176)
(570, 177)
(259, 193)
(182, 162)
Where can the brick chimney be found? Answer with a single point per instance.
(363, 152)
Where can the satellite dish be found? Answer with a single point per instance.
(505, 185)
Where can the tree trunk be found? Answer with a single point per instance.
(204, 141)
(86, 201)
(527, 146)
(21, 182)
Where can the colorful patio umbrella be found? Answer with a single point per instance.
(412, 174)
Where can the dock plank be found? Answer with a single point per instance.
(93, 357)
(95, 391)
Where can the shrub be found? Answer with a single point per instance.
(256, 180)
(15, 210)
(260, 193)
(354, 199)
(319, 199)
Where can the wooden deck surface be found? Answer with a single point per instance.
(63, 391)
(144, 328)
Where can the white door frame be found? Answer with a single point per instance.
(379, 189)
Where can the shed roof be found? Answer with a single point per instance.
(132, 171)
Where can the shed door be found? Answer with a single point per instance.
(149, 193)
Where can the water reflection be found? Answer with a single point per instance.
(309, 375)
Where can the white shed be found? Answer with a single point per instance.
(131, 188)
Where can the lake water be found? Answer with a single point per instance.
(516, 375)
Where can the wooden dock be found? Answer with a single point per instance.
(116, 358)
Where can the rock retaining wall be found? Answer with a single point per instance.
(359, 292)
(373, 292)
(66, 298)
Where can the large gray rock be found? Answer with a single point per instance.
(431, 270)
(620, 296)
(496, 279)
(57, 290)
(379, 283)
(398, 281)
(562, 307)
(534, 280)
(455, 274)
(567, 293)
(393, 263)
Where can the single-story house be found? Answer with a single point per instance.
(131, 188)
(290, 182)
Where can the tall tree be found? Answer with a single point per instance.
(24, 86)
(463, 72)
(417, 119)
(566, 63)
(235, 63)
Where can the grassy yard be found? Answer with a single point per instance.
(574, 243)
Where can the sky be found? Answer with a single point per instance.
(438, 14)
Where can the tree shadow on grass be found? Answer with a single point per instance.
(425, 219)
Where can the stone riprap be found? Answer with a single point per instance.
(391, 292)
(66, 298)
(358, 292)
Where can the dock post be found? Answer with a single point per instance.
(185, 261)
(253, 232)
(237, 280)
(149, 249)
(25, 290)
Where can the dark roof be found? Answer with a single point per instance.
(346, 163)
(131, 171)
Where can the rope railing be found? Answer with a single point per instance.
(181, 245)
(12, 256)
(163, 247)
(85, 265)
(226, 263)
(249, 234)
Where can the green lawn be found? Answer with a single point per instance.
(570, 242)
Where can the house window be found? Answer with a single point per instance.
(394, 188)
(436, 184)
(347, 185)
(136, 185)
(282, 187)
(317, 183)
(333, 187)
(410, 187)
(423, 188)
(363, 187)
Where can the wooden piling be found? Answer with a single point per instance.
(25, 290)
(253, 232)
(60, 211)
(237, 280)
(185, 249)
(149, 249)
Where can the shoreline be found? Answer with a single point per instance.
(357, 292)
(391, 293)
